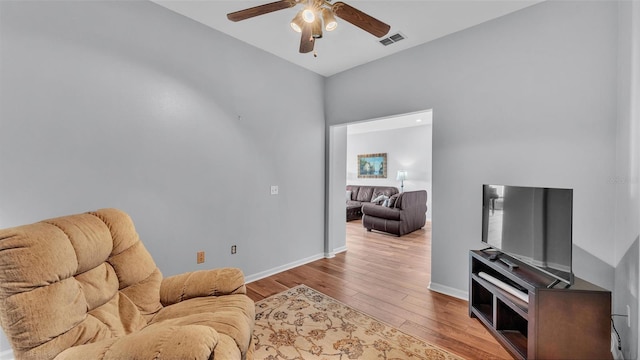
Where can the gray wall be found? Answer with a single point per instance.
(527, 99)
(627, 179)
(407, 149)
(336, 226)
(126, 104)
(627, 294)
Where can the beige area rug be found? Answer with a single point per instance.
(302, 323)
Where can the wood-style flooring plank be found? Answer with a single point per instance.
(387, 277)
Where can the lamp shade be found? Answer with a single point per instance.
(316, 29)
(402, 175)
(308, 15)
(330, 22)
(296, 22)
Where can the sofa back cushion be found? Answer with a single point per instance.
(354, 191)
(74, 280)
(363, 193)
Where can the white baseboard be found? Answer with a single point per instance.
(335, 251)
(456, 293)
(261, 275)
(6, 355)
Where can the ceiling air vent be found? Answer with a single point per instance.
(392, 39)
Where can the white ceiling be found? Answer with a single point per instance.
(421, 118)
(419, 21)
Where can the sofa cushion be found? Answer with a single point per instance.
(393, 199)
(354, 190)
(231, 315)
(380, 212)
(386, 191)
(158, 341)
(379, 199)
(354, 203)
(365, 194)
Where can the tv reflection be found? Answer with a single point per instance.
(495, 198)
(531, 224)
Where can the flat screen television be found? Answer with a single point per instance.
(531, 224)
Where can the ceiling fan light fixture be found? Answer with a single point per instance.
(297, 22)
(308, 15)
(316, 15)
(316, 29)
(329, 19)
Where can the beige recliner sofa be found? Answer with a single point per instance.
(84, 287)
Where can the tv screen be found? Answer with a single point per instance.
(532, 224)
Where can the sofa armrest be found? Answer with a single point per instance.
(213, 282)
(381, 212)
(413, 199)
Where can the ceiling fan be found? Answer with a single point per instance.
(316, 15)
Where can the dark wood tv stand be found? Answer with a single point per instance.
(555, 323)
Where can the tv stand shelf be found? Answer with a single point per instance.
(551, 323)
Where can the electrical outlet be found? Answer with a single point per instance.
(200, 257)
(233, 249)
(274, 189)
(628, 316)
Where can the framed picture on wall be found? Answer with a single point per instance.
(372, 166)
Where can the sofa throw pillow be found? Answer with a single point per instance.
(385, 203)
(379, 199)
(392, 200)
(348, 195)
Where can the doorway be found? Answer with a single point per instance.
(405, 138)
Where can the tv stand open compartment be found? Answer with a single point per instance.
(551, 323)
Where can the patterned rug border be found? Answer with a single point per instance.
(294, 289)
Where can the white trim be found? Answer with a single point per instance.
(261, 275)
(340, 249)
(456, 293)
(6, 355)
(335, 251)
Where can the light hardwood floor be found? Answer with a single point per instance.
(387, 277)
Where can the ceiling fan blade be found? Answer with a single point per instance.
(307, 41)
(260, 10)
(358, 18)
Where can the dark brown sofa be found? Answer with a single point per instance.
(357, 195)
(405, 215)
